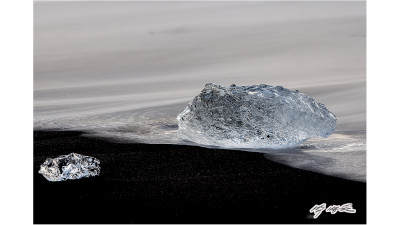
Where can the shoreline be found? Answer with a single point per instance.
(160, 183)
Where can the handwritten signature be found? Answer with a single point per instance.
(333, 209)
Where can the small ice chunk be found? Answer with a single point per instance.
(257, 116)
(72, 166)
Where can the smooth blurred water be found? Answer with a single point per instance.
(126, 69)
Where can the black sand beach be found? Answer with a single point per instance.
(142, 183)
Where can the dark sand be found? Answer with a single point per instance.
(142, 183)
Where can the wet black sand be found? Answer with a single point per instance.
(142, 183)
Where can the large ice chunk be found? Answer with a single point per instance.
(257, 116)
(72, 166)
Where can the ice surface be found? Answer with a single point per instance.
(257, 116)
(72, 166)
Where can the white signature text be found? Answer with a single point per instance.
(333, 209)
